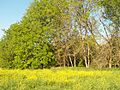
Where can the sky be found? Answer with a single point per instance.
(11, 11)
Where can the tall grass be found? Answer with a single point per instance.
(60, 79)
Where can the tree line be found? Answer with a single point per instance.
(64, 33)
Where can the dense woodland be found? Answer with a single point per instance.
(64, 33)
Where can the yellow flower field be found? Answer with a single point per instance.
(60, 79)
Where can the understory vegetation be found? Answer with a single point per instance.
(64, 33)
(60, 79)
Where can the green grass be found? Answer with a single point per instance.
(60, 79)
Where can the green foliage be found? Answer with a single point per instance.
(28, 43)
(112, 10)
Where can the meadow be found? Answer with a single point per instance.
(60, 79)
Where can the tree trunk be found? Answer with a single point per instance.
(86, 63)
(65, 56)
(110, 57)
(70, 61)
(64, 61)
(110, 63)
(74, 60)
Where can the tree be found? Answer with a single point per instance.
(8, 45)
(30, 41)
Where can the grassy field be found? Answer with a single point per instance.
(60, 79)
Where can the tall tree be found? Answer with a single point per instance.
(31, 42)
